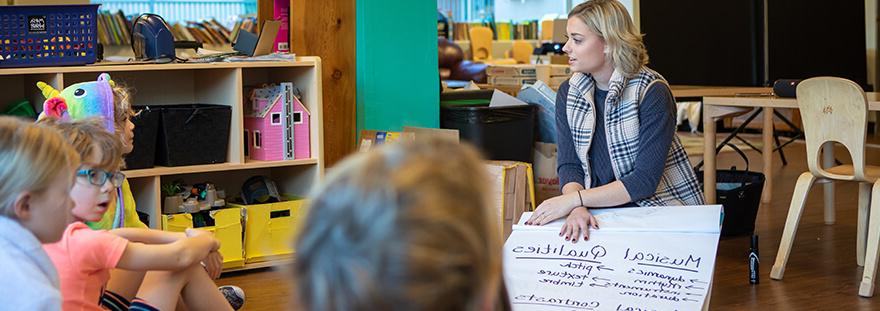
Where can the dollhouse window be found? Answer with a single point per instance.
(258, 139)
(297, 117)
(276, 118)
(247, 138)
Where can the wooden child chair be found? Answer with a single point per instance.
(481, 46)
(521, 51)
(835, 110)
(481, 43)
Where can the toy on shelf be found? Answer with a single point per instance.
(276, 124)
(181, 198)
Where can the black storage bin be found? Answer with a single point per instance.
(146, 128)
(193, 134)
(502, 133)
(739, 191)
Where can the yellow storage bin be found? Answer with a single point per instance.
(227, 228)
(270, 229)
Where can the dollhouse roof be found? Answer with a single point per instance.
(272, 94)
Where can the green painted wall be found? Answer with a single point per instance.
(397, 75)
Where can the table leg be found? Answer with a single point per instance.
(708, 154)
(767, 135)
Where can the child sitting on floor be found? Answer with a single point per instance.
(406, 226)
(85, 257)
(112, 102)
(37, 168)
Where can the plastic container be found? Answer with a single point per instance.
(502, 133)
(146, 128)
(270, 228)
(193, 134)
(50, 35)
(226, 227)
(21, 108)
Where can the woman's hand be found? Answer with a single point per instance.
(579, 221)
(553, 209)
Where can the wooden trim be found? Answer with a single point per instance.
(250, 164)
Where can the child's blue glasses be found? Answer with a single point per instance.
(98, 177)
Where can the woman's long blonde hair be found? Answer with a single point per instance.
(609, 20)
(403, 227)
(31, 157)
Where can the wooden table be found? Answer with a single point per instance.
(682, 91)
(715, 108)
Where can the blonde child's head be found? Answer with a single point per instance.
(37, 171)
(98, 173)
(122, 114)
(403, 227)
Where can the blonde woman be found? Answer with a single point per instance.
(403, 227)
(616, 125)
(37, 168)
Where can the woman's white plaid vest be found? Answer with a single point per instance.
(678, 185)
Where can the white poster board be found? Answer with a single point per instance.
(640, 259)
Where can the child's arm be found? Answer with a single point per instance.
(148, 236)
(172, 256)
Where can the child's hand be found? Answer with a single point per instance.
(213, 264)
(580, 220)
(194, 233)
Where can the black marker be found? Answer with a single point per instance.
(754, 261)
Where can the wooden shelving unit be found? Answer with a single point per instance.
(211, 83)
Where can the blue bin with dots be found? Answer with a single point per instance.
(51, 35)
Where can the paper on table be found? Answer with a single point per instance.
(501, 99)
(702, 218)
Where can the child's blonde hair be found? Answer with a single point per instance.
(31, 156)
(404, 227)
(89, 134)
(122, 109)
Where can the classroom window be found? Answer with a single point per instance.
(258, 140)
(297, 117)
(509, 10)
(225, 11)
(276, 118)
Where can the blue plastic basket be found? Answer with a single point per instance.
(39, 36)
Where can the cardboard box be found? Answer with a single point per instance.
(528, 70)
(512, 81)
(524, 70)
(513, 192)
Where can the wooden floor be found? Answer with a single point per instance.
(821, 275)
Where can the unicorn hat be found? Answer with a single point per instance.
(81, 100)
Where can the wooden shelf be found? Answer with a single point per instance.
(263, 264)
(301, 61)
(223, 84)
(192, 169)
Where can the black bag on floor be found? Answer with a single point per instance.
(739, 191)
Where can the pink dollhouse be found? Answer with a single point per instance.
(276, 125)
(301, 141)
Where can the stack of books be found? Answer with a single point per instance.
(114, 28)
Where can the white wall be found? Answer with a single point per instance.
(519, 10)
